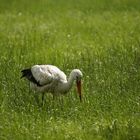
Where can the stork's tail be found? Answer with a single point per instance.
(26, 73)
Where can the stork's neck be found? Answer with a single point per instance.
(67, 85)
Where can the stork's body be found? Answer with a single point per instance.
(49, 78)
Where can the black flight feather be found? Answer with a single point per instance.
(27, 73)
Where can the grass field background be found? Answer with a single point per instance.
(101, 38)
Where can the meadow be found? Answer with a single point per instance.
(101, 38)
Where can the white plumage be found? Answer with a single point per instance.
(47, 73)
(49, 78)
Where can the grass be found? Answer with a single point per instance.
(101, 38)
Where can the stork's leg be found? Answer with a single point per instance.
(36, 98)
(53, 97)
(29, 88)
(43, 98)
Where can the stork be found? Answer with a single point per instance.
(49, 78)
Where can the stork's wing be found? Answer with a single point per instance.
(45, 74)
(41, 74)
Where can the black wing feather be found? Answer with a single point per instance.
(27, 73)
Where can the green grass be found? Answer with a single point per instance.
(101, 38)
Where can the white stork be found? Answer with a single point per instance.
(49, 78)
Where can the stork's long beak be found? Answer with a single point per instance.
(78, 82)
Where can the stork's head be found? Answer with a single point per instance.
(78, 76)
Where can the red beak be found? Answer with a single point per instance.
(79, 89)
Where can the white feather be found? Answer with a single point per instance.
(45, 74)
